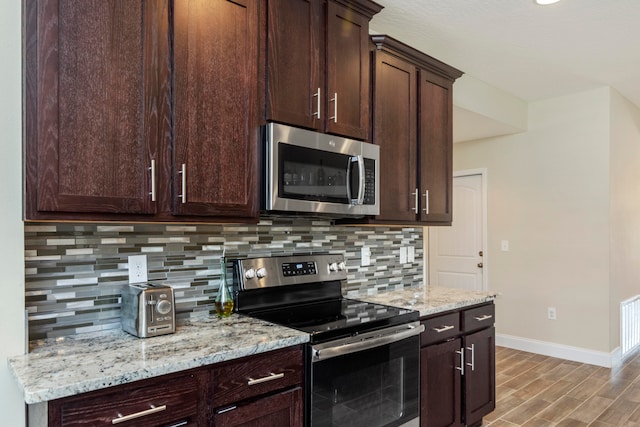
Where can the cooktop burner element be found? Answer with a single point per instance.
(304, 292)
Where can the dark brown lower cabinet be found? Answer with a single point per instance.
(262, 390)
(457, 368)
(282, 409)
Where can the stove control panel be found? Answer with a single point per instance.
(304, 268)
(266, 272)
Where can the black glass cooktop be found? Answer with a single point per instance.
(336, 318)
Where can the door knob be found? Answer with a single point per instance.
(480, 253)
(480, 265)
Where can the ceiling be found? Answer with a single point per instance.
(532, 52)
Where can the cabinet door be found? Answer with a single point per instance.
(96, 104)
(395, 109)
(282, 409)
(436, 147)
(440, 385)
(295, 60)
(480, 378)
(215, 99)
(347, 72)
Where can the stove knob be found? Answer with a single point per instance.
(342, 266)
(250, 273)
(261, 272)
(333, 266)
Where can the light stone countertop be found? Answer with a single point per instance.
(431, 299)
(67, 366)
(72, 365)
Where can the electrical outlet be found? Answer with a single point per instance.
(137, 268)
(403, 255)
(365, 256)
(551, 313)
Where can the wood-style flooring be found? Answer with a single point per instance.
(534, 390)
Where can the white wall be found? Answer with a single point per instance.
(625, 207)
(11, 227)
(548, 194)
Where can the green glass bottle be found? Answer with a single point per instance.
(224, 300)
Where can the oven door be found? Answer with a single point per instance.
(313, 172)
(371, 380)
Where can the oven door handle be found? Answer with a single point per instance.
(320, 353)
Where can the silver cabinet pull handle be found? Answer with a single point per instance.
(152, 169)
(485, 316)
(317, 95)
(183, 172)
(415, 196)
(461, 368)
(335, 107)
(472, 349)
(152, 410)
(270, 377)
(444, 328)
(222, 411)
(426, 202)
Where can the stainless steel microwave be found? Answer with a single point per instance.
(312, 172)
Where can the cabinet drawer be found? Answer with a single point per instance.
(150, 403)
(478, 318)
(440, 328)
(255, 375)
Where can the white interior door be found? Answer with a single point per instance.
(456, 253)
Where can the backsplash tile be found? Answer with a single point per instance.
(74, 273)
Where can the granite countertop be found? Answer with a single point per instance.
(431, 299)
(61, 367)
(67, 366)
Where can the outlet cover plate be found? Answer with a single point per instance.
(137, 268)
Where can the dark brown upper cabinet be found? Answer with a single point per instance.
(412, 124)
(141, 110)
(318, 65)
(96, 96)
(215, 101)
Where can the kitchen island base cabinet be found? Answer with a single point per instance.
(457, 367)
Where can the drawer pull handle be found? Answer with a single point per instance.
(271, 377)
(230, 408)
(483, 317)
(444, 328)
(151, 410)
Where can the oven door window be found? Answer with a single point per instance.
(372, 388)
(315, 175)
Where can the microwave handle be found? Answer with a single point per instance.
(361, 182)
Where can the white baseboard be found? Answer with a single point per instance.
(576, 354)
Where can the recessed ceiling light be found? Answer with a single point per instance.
(545, 2)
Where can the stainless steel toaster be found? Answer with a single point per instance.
(147, 310)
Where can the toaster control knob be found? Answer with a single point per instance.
(342, 266)
(163, 307)
(250, 273)
(333, 266)
(261, 272)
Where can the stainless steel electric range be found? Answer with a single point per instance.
(362, 361)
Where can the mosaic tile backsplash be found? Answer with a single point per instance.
(74, 273)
